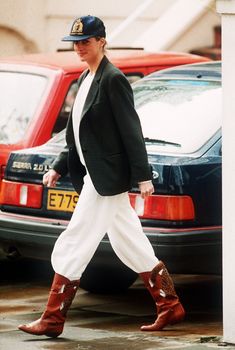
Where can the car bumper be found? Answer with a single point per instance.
(189, 251)
(192, 250)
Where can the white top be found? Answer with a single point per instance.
(77, 111)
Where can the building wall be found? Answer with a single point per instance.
(200, 33)
(38, 26)
(22, 24)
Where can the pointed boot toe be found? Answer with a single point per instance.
(31, 328)
(168, 317)
(39, 327)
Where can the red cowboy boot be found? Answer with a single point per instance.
(161, 287)
(51, 323)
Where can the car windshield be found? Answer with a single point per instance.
(19, 98)
(178, 116)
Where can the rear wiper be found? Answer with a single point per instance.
(163, 142)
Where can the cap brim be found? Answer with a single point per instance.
(76, 37)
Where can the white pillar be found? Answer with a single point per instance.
(227, 10)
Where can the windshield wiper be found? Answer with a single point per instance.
(162, 142)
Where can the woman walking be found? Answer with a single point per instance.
(105, 156)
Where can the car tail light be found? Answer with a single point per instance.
(163, 207)
(21, 194)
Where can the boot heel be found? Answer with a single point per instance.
(178, 315)
(53, 335)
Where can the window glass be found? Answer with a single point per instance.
(66, 108)
(19, 98)
(178, 116)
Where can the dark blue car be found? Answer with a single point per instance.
(180, 111)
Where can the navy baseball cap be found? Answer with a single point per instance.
(86, 27)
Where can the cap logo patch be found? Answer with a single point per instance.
(77, 28)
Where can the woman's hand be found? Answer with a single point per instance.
(146, 188)
(50, 178)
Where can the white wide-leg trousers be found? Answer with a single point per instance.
(93, 217)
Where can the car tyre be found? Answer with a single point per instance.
(107, 279)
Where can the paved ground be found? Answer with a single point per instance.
(98, 322)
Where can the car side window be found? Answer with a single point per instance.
(216, 150)
(132, 77)
(21, 94)
(62, 119)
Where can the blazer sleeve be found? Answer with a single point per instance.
(128, 123)
(60, 164)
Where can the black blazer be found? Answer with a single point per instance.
(110, 136)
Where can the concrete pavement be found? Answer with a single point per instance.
(99, 322)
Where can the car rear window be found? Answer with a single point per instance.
(19, 98)
(178, 116)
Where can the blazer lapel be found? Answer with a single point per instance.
(82, 77)
(94, 86)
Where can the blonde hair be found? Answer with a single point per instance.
(105, 42)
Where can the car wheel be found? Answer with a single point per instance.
(107, 279)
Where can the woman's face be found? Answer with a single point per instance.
(90, 49)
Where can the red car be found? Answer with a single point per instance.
(37, 92)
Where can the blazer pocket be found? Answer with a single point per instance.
(117, 161)
(115, 155)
